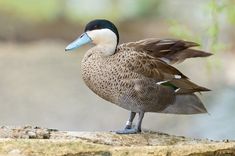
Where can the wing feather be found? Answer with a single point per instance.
(146, 59)
(153, 68)
(168, 50)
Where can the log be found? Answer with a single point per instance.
(36, 141)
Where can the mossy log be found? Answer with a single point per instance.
(35, 141)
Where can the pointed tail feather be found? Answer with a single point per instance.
(186, 104)
(186, 86)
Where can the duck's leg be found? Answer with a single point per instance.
(140, 119)
(129, 122)
(128, 129)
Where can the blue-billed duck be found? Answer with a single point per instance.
(138, 76)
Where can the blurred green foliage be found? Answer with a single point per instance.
(148, 8)
(30, 9)
(83, 11)
(79, 10)
(182, 31)
(231, 13)
(214, 9)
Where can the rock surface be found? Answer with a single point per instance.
(35, 141)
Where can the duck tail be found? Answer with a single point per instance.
(187, 87)
(186, 104)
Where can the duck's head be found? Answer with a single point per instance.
(100, 32)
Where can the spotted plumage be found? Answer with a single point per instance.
(139, 76)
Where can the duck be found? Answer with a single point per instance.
(138, 76)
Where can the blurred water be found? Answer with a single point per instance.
(40, 84)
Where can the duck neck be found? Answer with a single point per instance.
(106, 49)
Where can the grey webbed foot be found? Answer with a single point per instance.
(128, 131)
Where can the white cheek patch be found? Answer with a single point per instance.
(104, 39)
(102, 36)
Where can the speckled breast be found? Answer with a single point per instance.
(101, 76)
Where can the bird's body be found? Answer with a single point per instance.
(113, 79)
(138, 76)
(118, 79)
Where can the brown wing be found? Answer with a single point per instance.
(169, 50)
(153, 68)
(143, 63)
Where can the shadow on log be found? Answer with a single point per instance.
(24, 141)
